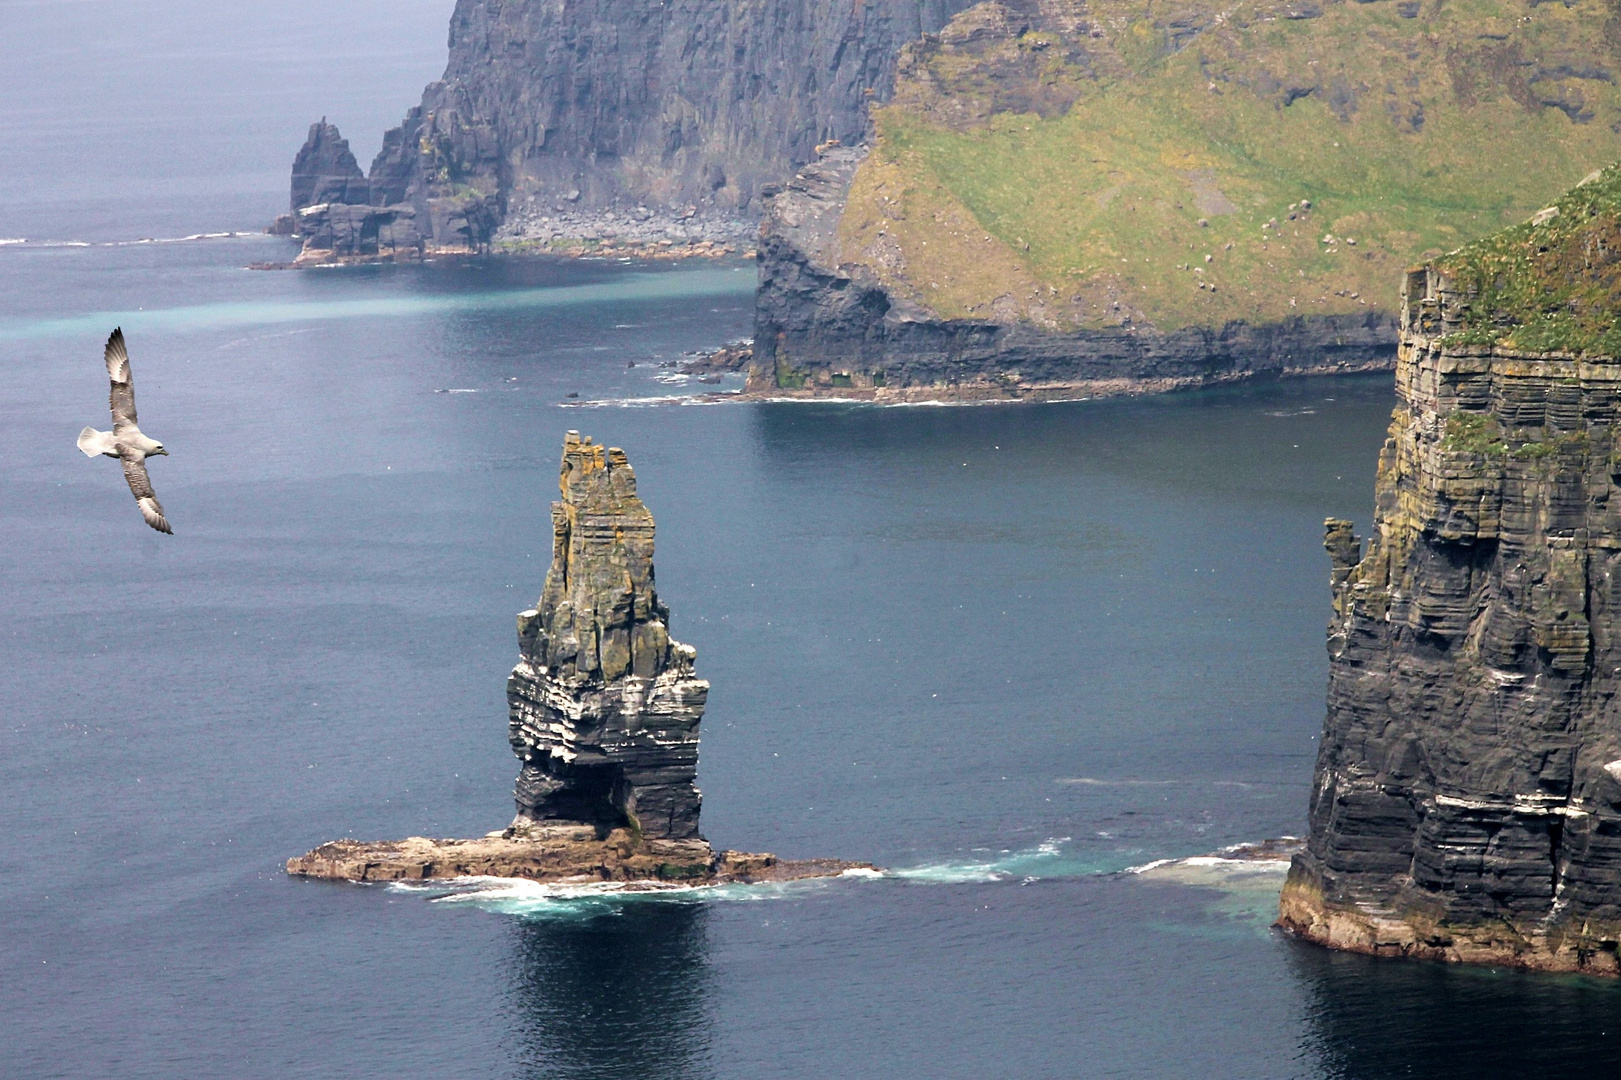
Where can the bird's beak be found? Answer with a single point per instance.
(160, 450)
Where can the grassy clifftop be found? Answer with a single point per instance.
(1549, 284)
(1125, 161)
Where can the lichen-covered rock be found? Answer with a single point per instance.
(1467, 803)
(604, 712)
(604, 705)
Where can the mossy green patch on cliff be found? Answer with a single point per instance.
(1275, 160)
(1550, 284)
(1473, 433)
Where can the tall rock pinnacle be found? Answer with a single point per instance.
(325, 171)
(604, 705)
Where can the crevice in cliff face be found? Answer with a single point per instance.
(1556, 837)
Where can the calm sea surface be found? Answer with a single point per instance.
(1007, 651)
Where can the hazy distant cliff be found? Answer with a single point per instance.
(689, 103)
(1467, 803)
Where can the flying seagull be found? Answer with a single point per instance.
(125, 441)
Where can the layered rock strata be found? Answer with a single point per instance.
(605, 706)
(827, 326)
(556, 852)
(607, 105)
(1467, 803)
(604, 713)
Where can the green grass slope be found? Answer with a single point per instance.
(1093, 164)
(1550, 284)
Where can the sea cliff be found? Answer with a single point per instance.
(830, 326)
(556, 124)
(1467, 802)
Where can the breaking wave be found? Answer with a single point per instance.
(1243, 868)
(13, 241)
(581, 899)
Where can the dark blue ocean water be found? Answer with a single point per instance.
(1006, 651)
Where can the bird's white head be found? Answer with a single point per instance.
(158, 449)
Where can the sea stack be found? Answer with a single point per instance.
(604, 705)
(604, 712)
(1467, 803)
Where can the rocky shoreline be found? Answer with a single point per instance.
(636, 232)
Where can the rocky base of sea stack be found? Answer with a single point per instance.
(1416, 933)
(556, 851)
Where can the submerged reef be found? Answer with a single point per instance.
(1467, 803)
(604, 713)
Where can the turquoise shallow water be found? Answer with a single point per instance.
(729, 282)
(1008, 653)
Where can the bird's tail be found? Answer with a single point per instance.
(94, 442)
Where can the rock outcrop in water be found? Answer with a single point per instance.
(604, 713)
(325, 171)
(332, 211)
(827, 326)
(604, 705)
(1467, 803)
(674, 107)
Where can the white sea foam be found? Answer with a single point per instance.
(1089, 781)
(585, 898)
(188, 239)
(1048, 859)
(712, 397)
(1244, 869)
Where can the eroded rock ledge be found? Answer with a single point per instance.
(825, 326)
(556, 852)
(604, 709)
(1467, 804)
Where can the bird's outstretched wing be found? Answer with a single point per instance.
(141, 488)
(122, 396)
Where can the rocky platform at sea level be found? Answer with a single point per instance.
(556, 852)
